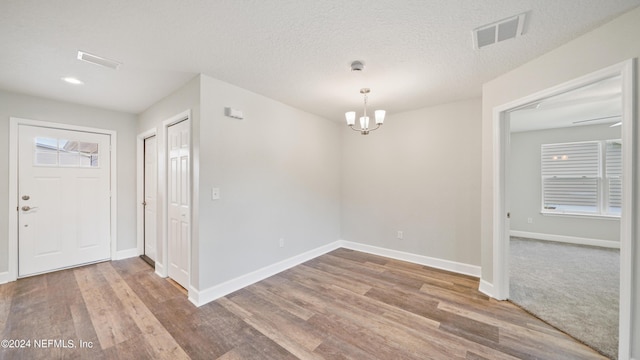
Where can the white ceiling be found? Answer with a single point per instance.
(593, 104)
(417, 53)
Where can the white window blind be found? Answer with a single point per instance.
(613, 171)
(581, 178)
(571, 160)
(570, 176)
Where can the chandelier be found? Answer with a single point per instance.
(364, 119)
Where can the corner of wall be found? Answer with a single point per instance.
(4, 277)
(486, 287)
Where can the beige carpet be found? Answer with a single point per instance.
(574, 288)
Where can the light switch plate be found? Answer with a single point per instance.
(215, 193)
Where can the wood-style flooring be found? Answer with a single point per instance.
(342, 305)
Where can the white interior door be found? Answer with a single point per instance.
(150, 194)
(178, 137)
(64, 199)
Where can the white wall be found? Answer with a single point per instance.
(34, 108)
(420, 174)
(278, 171)
(609, 44)
(525, 185)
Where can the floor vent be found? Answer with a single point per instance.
(505, 29)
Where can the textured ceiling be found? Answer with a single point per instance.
(417, 53)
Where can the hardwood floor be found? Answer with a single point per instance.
(342, 305)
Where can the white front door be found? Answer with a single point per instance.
(150, 193)
(179, 193)
(63, 199)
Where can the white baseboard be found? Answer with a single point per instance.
(486, 288)
(448, 265)
(194, 296)
(201, 297)
(4, 277)
(160, 270)
(566, 239)
(126, 254)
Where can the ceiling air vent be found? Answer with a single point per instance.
(505, 29)
(97, 60)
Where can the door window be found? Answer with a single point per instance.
(65, 153)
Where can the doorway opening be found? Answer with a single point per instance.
(564, 191)
(149, 202)
(503, 196)
(166, 152)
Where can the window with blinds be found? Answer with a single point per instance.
(581, 177)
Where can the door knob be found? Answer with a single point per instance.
(27, 208)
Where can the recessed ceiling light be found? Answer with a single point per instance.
(98, 60)
(72, 80)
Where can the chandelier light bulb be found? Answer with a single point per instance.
(364, 122)
(351, 117)
(380, 116)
